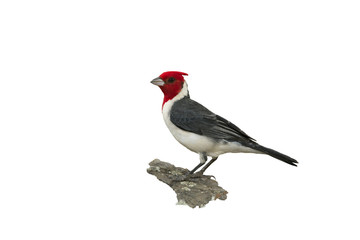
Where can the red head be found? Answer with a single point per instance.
(170, 83)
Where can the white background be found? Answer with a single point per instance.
(80, 121)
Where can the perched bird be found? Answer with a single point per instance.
(201, 130)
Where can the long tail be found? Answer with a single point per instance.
(273, 153)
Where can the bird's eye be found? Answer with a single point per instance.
(171, 80)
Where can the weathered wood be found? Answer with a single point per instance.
(192, 190)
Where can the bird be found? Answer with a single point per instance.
(202, 131)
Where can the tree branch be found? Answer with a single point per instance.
(196, 190)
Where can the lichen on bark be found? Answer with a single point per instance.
(194, 191)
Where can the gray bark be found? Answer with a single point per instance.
(192, 190)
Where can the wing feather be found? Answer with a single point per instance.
(191, 116)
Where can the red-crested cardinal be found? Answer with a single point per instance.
(201, 130)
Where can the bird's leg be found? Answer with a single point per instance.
(207, 165)
(196, 168)
(203, 159)
(200, 174)
(188, 176)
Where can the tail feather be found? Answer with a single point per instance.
(273, 153)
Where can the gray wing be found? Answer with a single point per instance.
(191, 116)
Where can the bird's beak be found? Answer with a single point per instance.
(158, 82)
